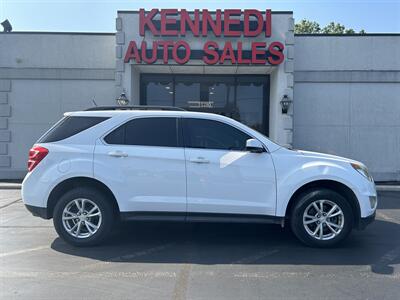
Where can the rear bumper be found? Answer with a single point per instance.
(364, 222)
(38, 211)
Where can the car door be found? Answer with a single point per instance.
(222, 177)
(143, 163)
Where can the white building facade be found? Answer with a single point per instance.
(343, 91)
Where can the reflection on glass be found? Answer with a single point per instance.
(158, 91)
(249, 103)
(241, 97)
(220, 93)
(186, 90)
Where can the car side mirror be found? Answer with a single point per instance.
(254, 146)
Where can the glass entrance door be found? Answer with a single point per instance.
(242, 97)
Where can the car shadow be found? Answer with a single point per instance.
(207, 243)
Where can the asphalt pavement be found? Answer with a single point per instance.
(196, 261)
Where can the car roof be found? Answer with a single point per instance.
(112, 113)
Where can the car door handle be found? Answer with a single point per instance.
(199, 160)
(117, 154)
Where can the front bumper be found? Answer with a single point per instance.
(38, 211)
(367, 198)
(364, 222)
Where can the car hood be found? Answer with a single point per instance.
(318, 155)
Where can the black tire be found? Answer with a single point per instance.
(304, 201)
(106, 210)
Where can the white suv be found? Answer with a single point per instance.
(95, 167)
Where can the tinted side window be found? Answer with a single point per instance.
(208, 134)
(69, 126)
(161, 132)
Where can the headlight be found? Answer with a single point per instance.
(362, 170)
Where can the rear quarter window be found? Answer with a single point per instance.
(69, 126)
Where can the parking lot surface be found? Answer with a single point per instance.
(196, 261)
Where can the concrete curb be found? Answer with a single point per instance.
(10, 186)
(388, 188)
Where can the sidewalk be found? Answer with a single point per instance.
(393, 187)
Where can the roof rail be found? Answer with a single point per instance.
(136, 107)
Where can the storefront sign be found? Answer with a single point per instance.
(201, 104)
(227, 23)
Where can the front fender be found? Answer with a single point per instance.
(307, 172)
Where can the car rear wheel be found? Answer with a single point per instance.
(83, 217)
(321, 218)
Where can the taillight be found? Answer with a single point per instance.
(36, 154)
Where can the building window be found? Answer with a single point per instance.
(159, 91)
(241, 97)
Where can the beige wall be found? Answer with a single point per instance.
(42, 76)
(347, 99)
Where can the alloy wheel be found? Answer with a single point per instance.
(81, 218)
(323, 219)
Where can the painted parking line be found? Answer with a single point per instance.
(182, 283)
(186, 273)
(381, 215)
(326, 275)
(111, 275)
(11, 203)
(22, 251)
(25, 226)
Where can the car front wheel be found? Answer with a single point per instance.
(321, 218)
(83, 217)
